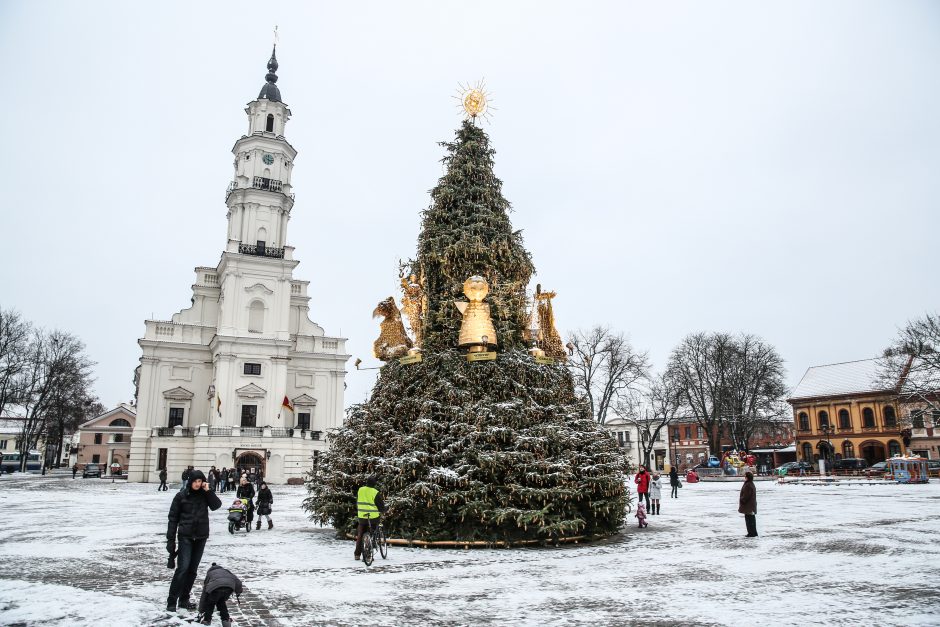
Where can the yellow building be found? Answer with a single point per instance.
(842, 411)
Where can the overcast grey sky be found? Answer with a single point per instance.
(683, 166)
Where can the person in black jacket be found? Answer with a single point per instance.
(247, 491)
(162, 485)
(674, 482)
(186, 535)
(265, 501)
(219, 585)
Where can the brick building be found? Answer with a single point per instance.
(106, 439)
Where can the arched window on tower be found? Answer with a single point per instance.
(256, 317)
(269, 124)
(823, 417)
(845, 422)
(868, 418)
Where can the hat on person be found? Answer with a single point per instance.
(195, 474)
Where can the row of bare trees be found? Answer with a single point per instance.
(45, 382)
(727, 384)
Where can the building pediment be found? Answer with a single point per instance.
(304, 400)
(250, 391)
(259, 288)
(178, 394)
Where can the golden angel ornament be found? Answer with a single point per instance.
(477, 332)
(393, 340)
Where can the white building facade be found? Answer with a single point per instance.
(631, 439)
(242, 377)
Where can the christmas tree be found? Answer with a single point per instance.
(494, 451)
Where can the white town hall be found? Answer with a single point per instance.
(242, 377)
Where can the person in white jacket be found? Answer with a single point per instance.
(656, 493)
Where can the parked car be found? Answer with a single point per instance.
(91, 470)
(713, 462)
(850, 464)
(878, 469)
(793, 468)
(933, 467)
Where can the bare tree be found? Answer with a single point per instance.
(912, 363)
(728, 383)
(658, 407)
(57, 369)
(14, 343)
(606, 369)
(754, 388)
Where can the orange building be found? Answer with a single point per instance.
(843, 410)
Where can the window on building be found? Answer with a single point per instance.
(97, 438)
(936, 418)
(118, 437)
(303, 420)
(675, 434)
(96, 459)
(803, 420)
(823, 418)
(699, 434)
(868, 418)
(119, 422)
(845, 422)
(688, 433)
(807, 452)
(249, 415)
(252, 368)
(269, 124)
(620, 438)
(3, 445)
(848, 450)
(894, 448)
(256, 317)
(176, 417)
(917, 419)
(891, 419)
(161, 459)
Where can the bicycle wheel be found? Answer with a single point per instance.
(382, 541)
(367, 555)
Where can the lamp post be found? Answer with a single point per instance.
(828, 429)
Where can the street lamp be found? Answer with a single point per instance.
(828, 429)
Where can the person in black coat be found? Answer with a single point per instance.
(265, 501)
(747, 504)
(162, 485)
(186, 534)
(247, 491)
(674, 482)
(219, 585)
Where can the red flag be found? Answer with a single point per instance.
(286, 403)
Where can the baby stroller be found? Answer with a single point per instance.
(238, 517)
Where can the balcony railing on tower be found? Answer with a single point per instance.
(261, 251)
(271, 185)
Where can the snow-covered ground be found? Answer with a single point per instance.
(89, 552)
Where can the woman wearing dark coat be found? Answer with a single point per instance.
(674, 482)
(265, 501)
(247, 491)
(747, 504)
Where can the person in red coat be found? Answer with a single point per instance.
(642, 481)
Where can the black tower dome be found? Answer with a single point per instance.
(270, 90)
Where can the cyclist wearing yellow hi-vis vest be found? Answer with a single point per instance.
(369, 507)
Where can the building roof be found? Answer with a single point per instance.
(123, 408)
(270, 90)
(851, 377)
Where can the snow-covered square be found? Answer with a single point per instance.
(91, 552)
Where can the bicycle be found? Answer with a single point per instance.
(374, 538)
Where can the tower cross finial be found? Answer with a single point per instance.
(275, 36)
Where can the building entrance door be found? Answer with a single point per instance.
(251, 464)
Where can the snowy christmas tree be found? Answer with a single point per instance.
(498, 450)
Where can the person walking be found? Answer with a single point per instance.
(186, 534)
(656, 493)
(223, 479)
(213, 479)
(247, 491)
(232, 476)
(185, 477)
(74, 470)
(265, 501)
(642, 481)
(747, 504)
(674, 482)
(162, 485)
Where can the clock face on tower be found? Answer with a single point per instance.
(268, 159)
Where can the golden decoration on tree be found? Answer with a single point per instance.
(474, 100)
(476, 331)
(550, 339)
(413, 303)
(393, 340)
